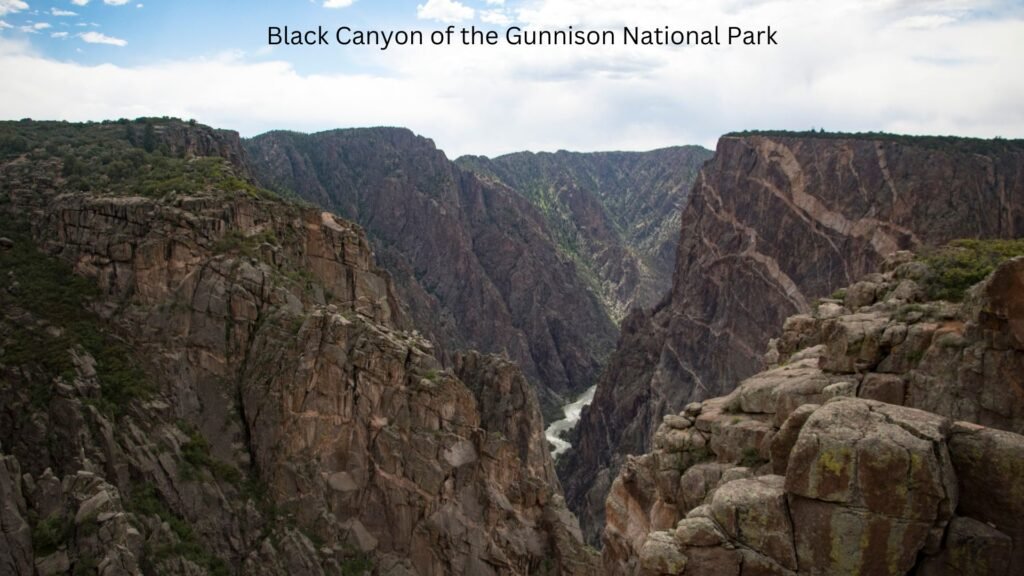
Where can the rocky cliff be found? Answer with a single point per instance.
(885, 438)
(199, 378)
(773, 222)
(615, 213)
(474, 261)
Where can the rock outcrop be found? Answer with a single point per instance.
(209, 380)
(884, 439)
(615, 213)
(774, 222)
(474, 261)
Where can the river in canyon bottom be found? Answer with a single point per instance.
(572, 412)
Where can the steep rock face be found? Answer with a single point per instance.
(773, 223)
(474, 261)
(615, 213)
(827, 464)
(227, 385)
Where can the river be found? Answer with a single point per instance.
(572, 412)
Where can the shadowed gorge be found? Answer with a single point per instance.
(474, 261)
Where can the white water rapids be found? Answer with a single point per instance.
(572, 412)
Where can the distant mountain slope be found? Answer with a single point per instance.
(474, 260)
(775, 221)
(615, 213)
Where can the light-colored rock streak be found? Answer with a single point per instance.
(868, 228)
(770, 266)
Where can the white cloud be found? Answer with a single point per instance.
(59, 35)
(924, 22)
(495, 2)
(338, 3)
(444, 11)
(100, 38)
(58, 12)
(11, 6)
(4, 25)
(840, 65)
(34, 28)
(498, 17)
(79, 2)
(116, 2)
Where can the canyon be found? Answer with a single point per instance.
(342, 352)
(530, 256)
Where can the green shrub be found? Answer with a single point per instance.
(750, 458)
(954, 268)
(50, 534)
(196, 453)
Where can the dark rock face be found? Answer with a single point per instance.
(773, 223)
(615, 213)
(230, 385)
(474, 261)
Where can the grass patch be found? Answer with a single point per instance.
(954, 268)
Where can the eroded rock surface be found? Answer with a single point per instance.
(216, 381)
(773, 223)
(833, 461)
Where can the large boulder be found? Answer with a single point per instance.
(990, 470)
(754, 512)
(867, 483)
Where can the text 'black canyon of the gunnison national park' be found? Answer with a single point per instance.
(517, 36)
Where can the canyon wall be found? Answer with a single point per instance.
(774, 222)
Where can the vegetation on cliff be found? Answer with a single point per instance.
(946, 143)
(954, 268)
(47, 322)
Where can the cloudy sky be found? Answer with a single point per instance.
(913, 66)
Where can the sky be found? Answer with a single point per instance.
(907, 66)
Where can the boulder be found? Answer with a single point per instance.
(853, 342)
(990, 471)
(867, 482)
(887, 388)
(783, 442)
(661, 556)
(755, 513)
(971, 548)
